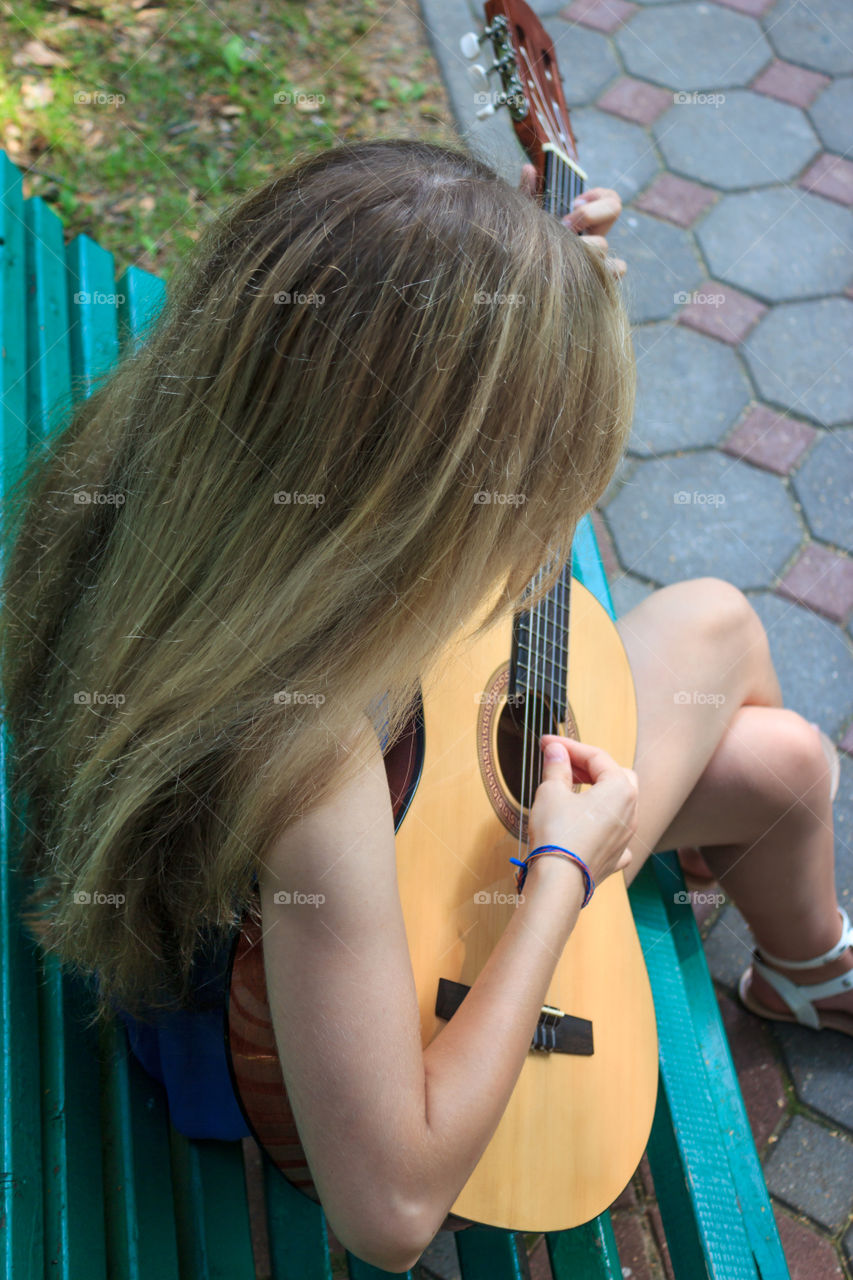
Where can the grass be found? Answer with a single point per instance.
(138, 121)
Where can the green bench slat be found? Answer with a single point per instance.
(47, 320)
(299, 1245)
(13, 331)
(485, 1253)
(141, 298)
(732, 1119)
(585, 1253)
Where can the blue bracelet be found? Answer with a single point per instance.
(521, 875)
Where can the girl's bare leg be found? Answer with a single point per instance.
(724, 767)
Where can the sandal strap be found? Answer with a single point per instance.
(800, 1000)
(840, 947)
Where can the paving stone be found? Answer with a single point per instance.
(831, 115)
(659, 1235)
(830, 176)
(812, 1171)
(606, 549)
(728, 947)
(708, 48)
(842, 816)
(539, 1262)
(635, 100)
(809, 1256)
(820, 688)
(789, 83)
(745, 140)
(627, 591)
(675, 199)
(824, 485)
(816, 35)
(614, 153)
(689, 390)
(704, 514)
(751, 1044)
(847, 1245)
(601, 15)
(847, 741)
(810, 376)
(822, 580)
(634, 1245)
(721, 312)
(770, 440)
(755, 240)
(587, 65)
(440, 1256)
(662, 265)
(821, 1072)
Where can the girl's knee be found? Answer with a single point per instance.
(795, 754)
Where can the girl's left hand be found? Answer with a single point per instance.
(594, 212)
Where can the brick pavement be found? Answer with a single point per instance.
(725, 125)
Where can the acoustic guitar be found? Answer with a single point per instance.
(462, 777)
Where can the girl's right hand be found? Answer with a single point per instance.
(596, 824)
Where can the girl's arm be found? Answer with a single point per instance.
(392, 1131)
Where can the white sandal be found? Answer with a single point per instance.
(800, 999)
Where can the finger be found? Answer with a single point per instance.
(595, 215)
(617, 265)
(594, 761)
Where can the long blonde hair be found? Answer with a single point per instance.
(284, 518)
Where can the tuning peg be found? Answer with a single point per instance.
(470, 45)
(478, 78)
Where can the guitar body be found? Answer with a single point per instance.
(576, 1126)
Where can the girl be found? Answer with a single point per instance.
(277, 535)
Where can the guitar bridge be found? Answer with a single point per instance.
(556, 1031)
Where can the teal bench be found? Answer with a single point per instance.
(96, 1182)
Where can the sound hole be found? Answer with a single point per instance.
(515, 743)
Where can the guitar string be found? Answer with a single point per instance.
(568, 185)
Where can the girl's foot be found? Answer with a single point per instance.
(774, 988)
(694, 866)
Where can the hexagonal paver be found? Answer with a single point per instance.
(662, 265)
(821, 1080)
(747, 140)
(586, 60)
(690, 390)
(613, 152)
(832, 113)
(704, 514)
(824, 485)
(708, 48)
(816, 35)
(820, 688)
(755, 241)
(799, 355)
(811, 1169)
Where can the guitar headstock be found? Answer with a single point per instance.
(532, 91)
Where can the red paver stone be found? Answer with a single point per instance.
(635, 100)
(822, 580)
(609, 559)
(790, 83)
(601, 15)
(636, 1249)
(540, 1263)
(653, 1213)
(675, 199)
(729, 321)
(770, 440)
(755, 1063)
(847, 741)
(830, 176)
(808, 1254)
(704, 903)
(755, 8)
(627, 1200)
